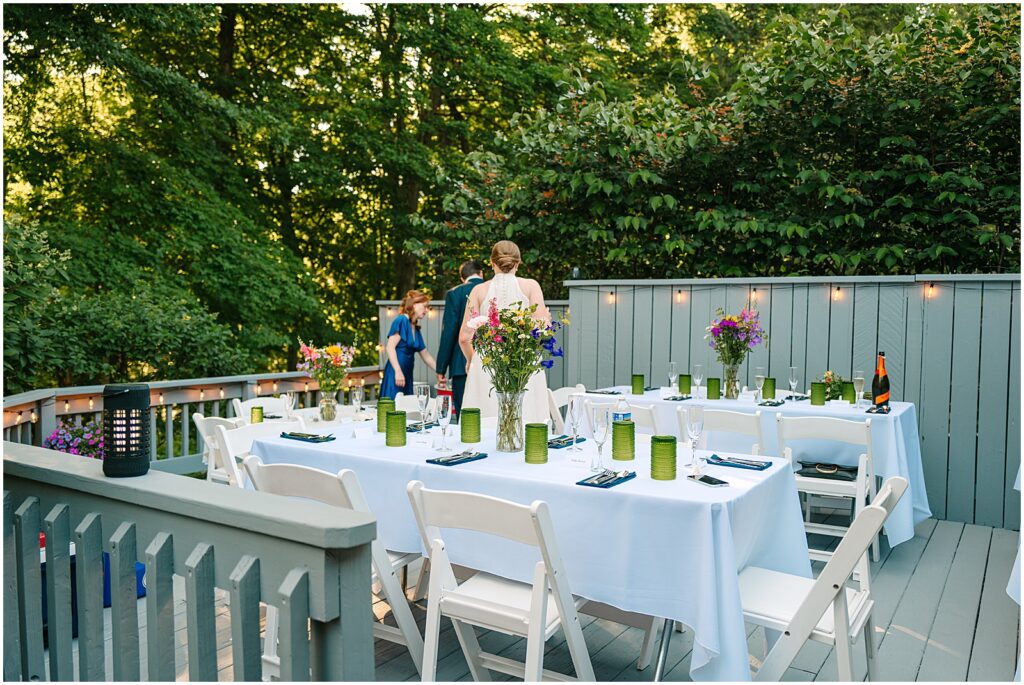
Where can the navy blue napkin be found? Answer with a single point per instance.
(603, 392)
(608, 484)
(678, 398)
(772, 403)
(308, 437)
(563, 441)
(419, 427)
(736, 463)
(456, 462)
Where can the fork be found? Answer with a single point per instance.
(456, 457)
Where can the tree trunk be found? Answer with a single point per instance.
(225, 82)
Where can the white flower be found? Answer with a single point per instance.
(523, 336)
(476, 322)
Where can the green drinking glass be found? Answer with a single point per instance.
(818, 393)
(536, 443)
(714, 388)
(623, 440)
(848, 393)
(638, 384)
(469, 424)
(395, 434)
(768, 389)
(663, 457)
(685, 384)
(384, 405)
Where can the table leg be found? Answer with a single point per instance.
(666, 637)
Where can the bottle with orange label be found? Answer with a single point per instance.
(880, 387)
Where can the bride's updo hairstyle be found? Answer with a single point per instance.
(505, 255)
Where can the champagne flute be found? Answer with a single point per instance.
(858, 385)
(575, 407)
(444, 417)
(357, 399)
(759, 381)
(673, 376)
(794, 379)
(601, 426)
(422, 400)
(694, 427)
(698, 375)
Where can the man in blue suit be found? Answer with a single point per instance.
(450, 359)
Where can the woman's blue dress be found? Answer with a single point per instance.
(409, 343)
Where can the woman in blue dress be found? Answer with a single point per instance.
(404, 341)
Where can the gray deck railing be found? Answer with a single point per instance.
(30, 417)
(310, 560)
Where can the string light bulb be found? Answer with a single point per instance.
(838, 294)
(222, 393)
(18, 418)
(259, 389)
(33, 417)
(90, 403)
(931, 290)
(611, 298)
(679, 296)
(67, 406)
(202, 394)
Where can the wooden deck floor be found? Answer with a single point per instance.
(942, 614)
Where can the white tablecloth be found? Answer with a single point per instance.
(896, 450)
(668, 549)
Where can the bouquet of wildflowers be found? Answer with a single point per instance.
(328, 366)
(85, 440)
(833, 385)
(513, 345)
(732, 337)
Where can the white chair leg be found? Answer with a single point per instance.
(271, 662)
(869, 647)
(423, 581)
(471, 649)
(844, 660)
(535, 631)
(393, 595)
(647, 648)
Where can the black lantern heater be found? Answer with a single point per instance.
(126, 430)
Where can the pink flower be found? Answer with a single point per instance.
(498, 338)
(476, 322)
(492, 313)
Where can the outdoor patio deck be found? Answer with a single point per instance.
(942, 613)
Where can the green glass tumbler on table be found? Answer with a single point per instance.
(469, 424)
(256, 415)
(638, 384)
(714, 388)
(818, 393)
(685, 384)
(384, 405)
(623, 440)
(848, 393)
(663, 457)
(768, 389)
(395, 434)
(536, 443)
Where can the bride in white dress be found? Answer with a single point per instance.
(507, 290)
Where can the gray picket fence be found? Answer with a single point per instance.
(310, 561)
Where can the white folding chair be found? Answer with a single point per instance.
(206, 425)
(411, 406)
(271, 405)
(534, 611)
(645, 417)
(861, 489)
(588, 409)
(558, 399)
(719, 420)
(823, 610)
(339, 490)
(235, 444)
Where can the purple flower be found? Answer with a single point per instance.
(548, 363)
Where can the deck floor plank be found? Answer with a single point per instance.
(997, 636)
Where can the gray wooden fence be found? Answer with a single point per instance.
(309, 560)
(952, 347)
(431, 329)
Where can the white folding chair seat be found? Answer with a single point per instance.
(722, 421)
(235, 444)
(861, 490)
(206, 425)
(270, 404)
(558, 399)
(411, 406)
(340, 490)
(644, 416)
(825, 609)
(534, 611)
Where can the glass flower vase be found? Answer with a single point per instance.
(510, 421)
(328, 405)
(732, 381)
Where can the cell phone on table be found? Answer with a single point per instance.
(709, 481)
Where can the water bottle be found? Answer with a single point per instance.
(621, 411)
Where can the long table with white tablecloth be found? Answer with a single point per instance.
(670, 549)
(896, 448)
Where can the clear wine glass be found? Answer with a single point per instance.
(858, 385)
(575, 411)
(759, 381)
(794, 380)
(694, 427)
(444, 417)
(698, 375)
(601, 425)
(422, 400)
(673, 376)
(357, 399)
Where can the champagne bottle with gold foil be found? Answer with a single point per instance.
(880, 386)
